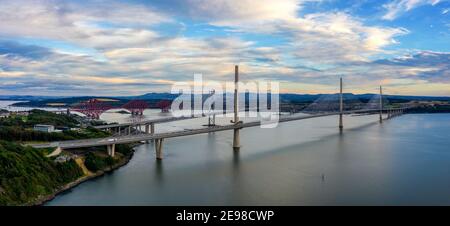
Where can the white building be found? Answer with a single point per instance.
(44, 128)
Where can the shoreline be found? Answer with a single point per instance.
(42, 200)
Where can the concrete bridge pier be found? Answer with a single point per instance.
(341, 108)
(129, 130)
(158, 148)
(381, 104)
(236, 138)
(149, 129)
(152, 128)
(111, 149)
(212, 120)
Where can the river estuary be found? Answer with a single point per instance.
(404, 161)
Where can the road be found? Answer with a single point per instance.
(144, 137)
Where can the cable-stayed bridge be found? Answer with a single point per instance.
(237, 125)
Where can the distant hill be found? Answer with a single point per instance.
(66, 101)
(361, 97)
(157, 96)
(23, 98)
(153, 98)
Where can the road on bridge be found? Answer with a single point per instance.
(145, 137)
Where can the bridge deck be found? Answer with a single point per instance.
(144, 137)
(159, 120)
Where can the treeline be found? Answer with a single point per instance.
(26, 174)
(430, 109)
(39, 117)
(20, 128)
(17, 133)
(95, 162)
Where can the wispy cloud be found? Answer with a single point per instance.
(397, 7)
(126, 48)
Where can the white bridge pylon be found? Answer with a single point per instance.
(236, 126)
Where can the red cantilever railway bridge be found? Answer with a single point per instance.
(93, 108)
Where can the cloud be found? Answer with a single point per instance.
(326, 36)
(12, 49)
(397, 7)
(97, 24)
(129, 52)
(225, 12)
(426, 65)
(338, 37)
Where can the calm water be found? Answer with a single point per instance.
(6, 104)
(401, 162)
(404, 161)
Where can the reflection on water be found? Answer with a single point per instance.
(402, 161)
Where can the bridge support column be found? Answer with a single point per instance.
(111, 149)
(341, 108)
(158, 148)
(120, 130)
(381, 104)
(129, 130)
(212, 120)
(150, 129)
(236, 138)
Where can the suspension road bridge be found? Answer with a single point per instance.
(236, 126)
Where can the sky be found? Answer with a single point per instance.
(132, 47)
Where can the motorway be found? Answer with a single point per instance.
(145, 137)
(159, 120)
